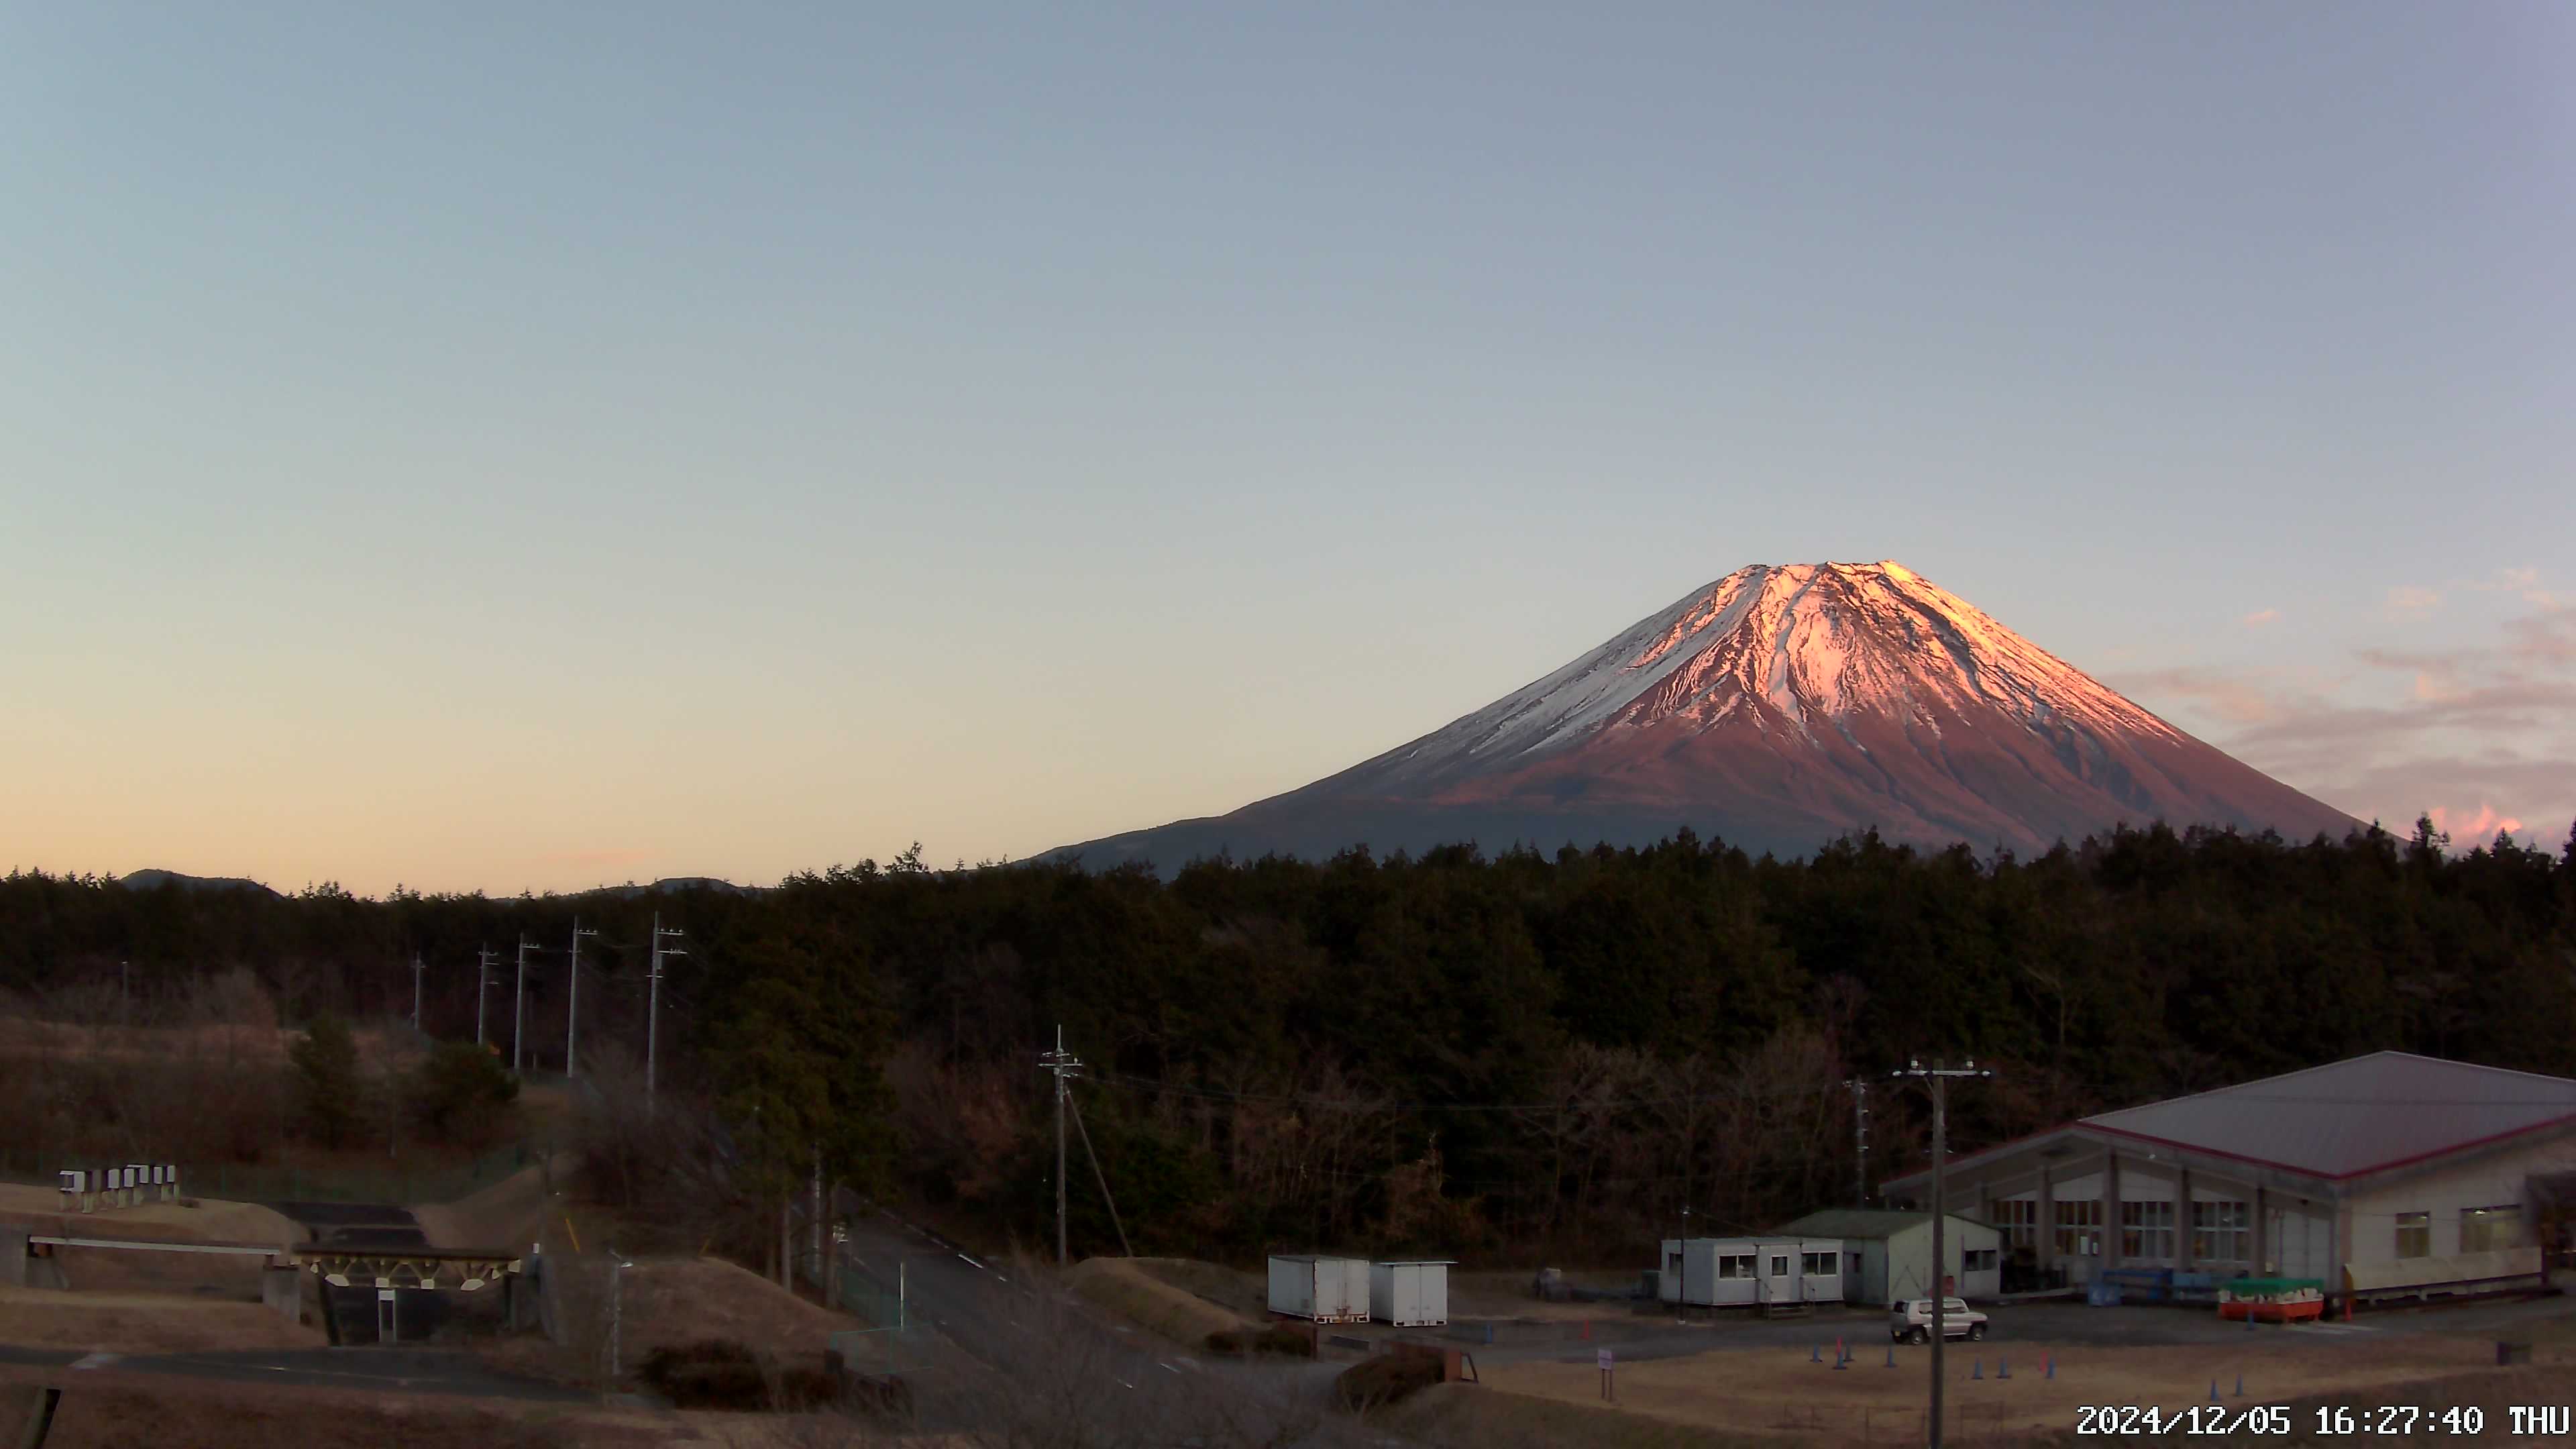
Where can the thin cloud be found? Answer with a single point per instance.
(2481, 739)
(2413, 599)
(2547, 638)
(2261, 617)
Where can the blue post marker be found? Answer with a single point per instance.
(2003, 1368)
(1489, 1334)
(1977, 1370)
(2240, 1386)
(2213, 1391)
(1816, 1354)
(1841, 1362)
(1891, 1355)
(2049, 1367)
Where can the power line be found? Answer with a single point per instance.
(1066, 1066)
(653, 1012)
(572, 1012)
(484, 956)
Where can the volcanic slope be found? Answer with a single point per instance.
(1778, 708)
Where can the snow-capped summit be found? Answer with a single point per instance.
(1777, 708)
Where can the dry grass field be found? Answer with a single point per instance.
(143, 1323)
(1777, 1392)
(668, 1302)
(111, 1410)
(115, 1270)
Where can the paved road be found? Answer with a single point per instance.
(406, 1370)
(1009, 1326)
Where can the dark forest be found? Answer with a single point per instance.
(1454, 1052)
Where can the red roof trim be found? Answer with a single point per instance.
(2489, 1140)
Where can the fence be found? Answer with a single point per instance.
(893, 1340)
(392, 1182)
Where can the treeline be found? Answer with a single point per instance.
(1448, 1052)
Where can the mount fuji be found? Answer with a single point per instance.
(1778, 708)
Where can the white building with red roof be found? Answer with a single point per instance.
(2386, 1176)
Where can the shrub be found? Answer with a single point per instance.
(460, 1092)
(1388, 1378)
(713, 1373)
(1277, 1338)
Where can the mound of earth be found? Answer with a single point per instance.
(1124, 1286)
(142, 1323)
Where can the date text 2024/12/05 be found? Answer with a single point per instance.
(2393, 1420)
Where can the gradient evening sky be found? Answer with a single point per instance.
(525, 446)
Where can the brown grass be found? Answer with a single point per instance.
(106, 1409)
(669, 1302)
(131, 1270)
(1776, 1390)
(1232, 1289)
(1124, 1287)
(511, 1213)
(142, 1323)
(28, 1039)
(1469, 1416)
(207, 1221)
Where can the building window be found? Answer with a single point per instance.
(2019, 1221)
(2219, 1232)
(2079, 1228)
(1779, 1265)
(2414, 1235)
(1735, 1265)
(2146, 1229)
(1855, 1265)
(1816, 1265)
(2488, 1228)
(1978, 1260)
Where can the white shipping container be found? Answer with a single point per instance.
(1412, 1294)
(1326, 1290)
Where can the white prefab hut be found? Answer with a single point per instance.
(1410, 1294)
(1888, 1255)
(1324, 1290)
(1751, 1272)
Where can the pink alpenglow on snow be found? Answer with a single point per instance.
(1778, 708)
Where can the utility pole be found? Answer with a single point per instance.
(416, 969)
(519, 1005)
(572, 1012)
(484, 956)
(1860, 1134)
(1939, 1077)
(1066, 1067)
(653, 1011)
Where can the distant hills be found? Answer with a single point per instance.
(150, 880)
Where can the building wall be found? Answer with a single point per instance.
(2294, 1221)
(2501, 1179)
(1908, 1262)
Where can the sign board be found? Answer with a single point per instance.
(1604, 1358)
